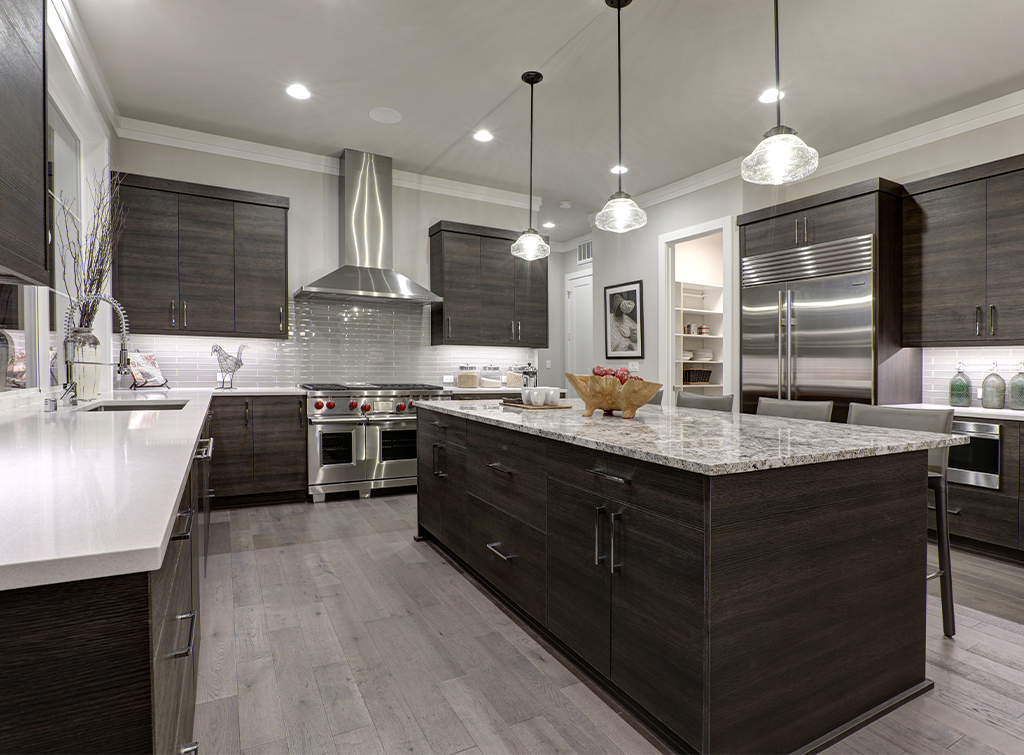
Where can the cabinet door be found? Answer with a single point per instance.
(944, 266)
(261, 270)
(428, 486)
(453, 499)
(206, 264)
(279, 443)
(658, 617)
(497, 292)
(1005, 258)
(579, 598)
(838, 220)
(461, 271)
(231, 429)
(23, 249)
(146, 275)
(532, 303)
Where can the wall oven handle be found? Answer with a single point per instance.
(337, 421)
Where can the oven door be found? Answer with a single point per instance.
(977, 463)
(391, 448)
(337, 450)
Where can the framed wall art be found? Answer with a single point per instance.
(624, 321)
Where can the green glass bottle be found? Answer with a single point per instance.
(960, 388)
(993, 390)
(1016, 390)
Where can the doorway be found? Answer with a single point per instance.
(579, 322)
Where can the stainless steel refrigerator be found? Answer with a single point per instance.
(814, 327)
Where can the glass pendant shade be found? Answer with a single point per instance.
(530, 246)
(779, 159)
(621, 214)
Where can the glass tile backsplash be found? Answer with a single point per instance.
(327, 342)
(939, 365)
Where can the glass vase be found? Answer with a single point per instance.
(85, 370)
(960, 388)
(993, 390)
(1015, 394)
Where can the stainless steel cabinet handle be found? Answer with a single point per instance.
(597, 535)
(280, 319)
(779, 391)
(496, 466)
(991, 319)
(174, 313)
(796, 231)
(611, 556)
(805, 229)
(449, 327)
(977, 321)
(301, 413)
(433, 458)
(186, 533)
(442, 461)
(951, 510)
(185, 651)
(606, 476)
(519, 326)
(184, 313)
(513, 324)
(789, 343)
(439, 425)
(493, 547)
(246, 413)
(191, 747)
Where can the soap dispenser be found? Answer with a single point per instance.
(1016, 398)
(993, 390)
(960, 388)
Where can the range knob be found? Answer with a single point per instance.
(367, 407)
(319, 404)
(400, 407)
(330, 404)
(353, 404)
(411, 404)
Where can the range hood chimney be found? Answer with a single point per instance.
(365, 236)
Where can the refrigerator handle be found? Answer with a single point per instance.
(789, 343)
(779, 391)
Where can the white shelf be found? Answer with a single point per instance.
(689, 286)
(684, 386)
(691, 361)
(691, 311)
(694, 335)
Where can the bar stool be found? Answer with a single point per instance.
(928, 420)
(697, 401)
(780, 407)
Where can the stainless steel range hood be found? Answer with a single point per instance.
(365, 236)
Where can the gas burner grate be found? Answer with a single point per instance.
(322, 386)
(407, 387)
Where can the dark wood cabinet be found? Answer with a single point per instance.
(441, 479)
(1004, 257)
(261, 269)
(232, 432)
(833, 219)
(490, 297)
(202, 259)
(23, 248)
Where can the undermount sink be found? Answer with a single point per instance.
(136, 406)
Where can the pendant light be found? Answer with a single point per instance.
(782, 157)
(530, 246)
(621, 213)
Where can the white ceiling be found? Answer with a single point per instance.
(852, 71)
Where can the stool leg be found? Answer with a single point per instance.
(942, 541)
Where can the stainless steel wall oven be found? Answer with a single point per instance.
(977, 463)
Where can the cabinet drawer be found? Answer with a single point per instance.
(519, 570)
(670, 492)
(510, 467)
(441, 427)
(981, 515)
(171, 597)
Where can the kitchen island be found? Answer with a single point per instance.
(742, 583)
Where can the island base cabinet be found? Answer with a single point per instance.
(507, 553)
(441, 483)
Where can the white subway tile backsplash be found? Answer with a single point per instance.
(329, 342)
(940, 365)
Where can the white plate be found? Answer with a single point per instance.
(702, 359)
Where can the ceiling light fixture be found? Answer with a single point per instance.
(530, 246)
(549, 225)
(298, 91)
(621, 213)
(483, 135)
(771, 95)
(620, 169)
(385, 115)
(782, 157)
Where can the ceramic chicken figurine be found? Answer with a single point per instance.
(228, 364)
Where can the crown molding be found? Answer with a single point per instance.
(419, 182)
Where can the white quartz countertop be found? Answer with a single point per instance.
(93, 494)
(971, 411)
(706, 442)
(284, 390)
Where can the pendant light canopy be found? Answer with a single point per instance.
(782, 157)
(530, 246)
(621, 213)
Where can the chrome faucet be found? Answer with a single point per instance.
(123, 365)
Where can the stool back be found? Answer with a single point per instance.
(926, 420)
(696, 401)
(780, 407)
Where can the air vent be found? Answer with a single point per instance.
(584, 252)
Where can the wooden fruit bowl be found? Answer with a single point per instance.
(608, 394)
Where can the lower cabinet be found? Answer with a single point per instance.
(108, 664)
(441, 479)
(259, 445)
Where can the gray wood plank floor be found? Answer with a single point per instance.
(326, 629)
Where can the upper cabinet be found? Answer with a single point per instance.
(23, 249)
(202, 260)
(963, 257)
(490, 297)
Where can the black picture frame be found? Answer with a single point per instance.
(624, 324)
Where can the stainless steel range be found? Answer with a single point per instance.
(362, 436)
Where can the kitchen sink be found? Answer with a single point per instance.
(136, 406)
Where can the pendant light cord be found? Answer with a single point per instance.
(618, 23)
(778, 85)
(529, 199)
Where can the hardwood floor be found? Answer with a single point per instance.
(327, 629)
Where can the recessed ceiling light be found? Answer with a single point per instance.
(769, 95)
(549, 225)
(620, 169)
(298, 91)
(483, 135)
(385, 115)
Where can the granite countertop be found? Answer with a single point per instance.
(971, 411)
(93, 494)
(706, 442)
